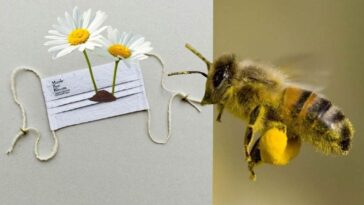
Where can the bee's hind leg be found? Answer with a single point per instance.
(255, 159)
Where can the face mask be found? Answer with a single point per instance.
(67, 100)
(67, 95)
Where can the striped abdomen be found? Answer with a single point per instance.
(315, 119)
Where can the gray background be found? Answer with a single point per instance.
(109, 161)
(322, 35)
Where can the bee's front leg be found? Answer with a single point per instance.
(220, 108)
(249, 133)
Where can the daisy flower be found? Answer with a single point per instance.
(79, 31)
(126, 46)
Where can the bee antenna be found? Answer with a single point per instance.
(198, 54)
(188, 72)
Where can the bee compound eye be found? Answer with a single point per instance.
(218, 77)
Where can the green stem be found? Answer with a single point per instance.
(90, 69)
(114, 78)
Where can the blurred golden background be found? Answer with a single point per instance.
(330, 34)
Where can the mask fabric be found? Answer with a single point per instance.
(67, 100)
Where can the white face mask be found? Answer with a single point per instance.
(67, 95)
(67, 100)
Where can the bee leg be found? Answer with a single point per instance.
(249, 133)
(255, 159)
(220, 108)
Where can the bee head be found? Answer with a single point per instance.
(219, 76)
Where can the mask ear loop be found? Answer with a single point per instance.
(184, 97)
(24, 130)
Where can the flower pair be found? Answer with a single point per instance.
(83, 32)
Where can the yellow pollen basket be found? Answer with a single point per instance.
(118, 50)
(78, 36)
(273, 147)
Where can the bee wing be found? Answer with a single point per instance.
(305, 70)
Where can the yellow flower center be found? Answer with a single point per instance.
(78, 36)
(119, 50)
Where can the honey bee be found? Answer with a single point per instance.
(283, 114)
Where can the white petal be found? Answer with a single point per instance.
(97, 32)
(109, 30)
(146, 50)
(86, 18)
(139, 56)
(125, 39)
(135, 56)
(65, 51)
(81, 47)
(132, 40)
(145, 47)
(143, 51)
(136, 43)
(103, 41)
(121, 37)
(91, 45)
(97, 21)
(113, 36)
(57, 33)
(96, 44)
(61, 29)
(100, 40)
(76, 17)
(69, 20)
(54, 37)
(55, 42)
(63, 23)
(56, 48)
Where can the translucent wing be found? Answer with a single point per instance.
(305, 70)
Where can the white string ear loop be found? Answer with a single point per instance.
(185, 97)
(24, 130)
